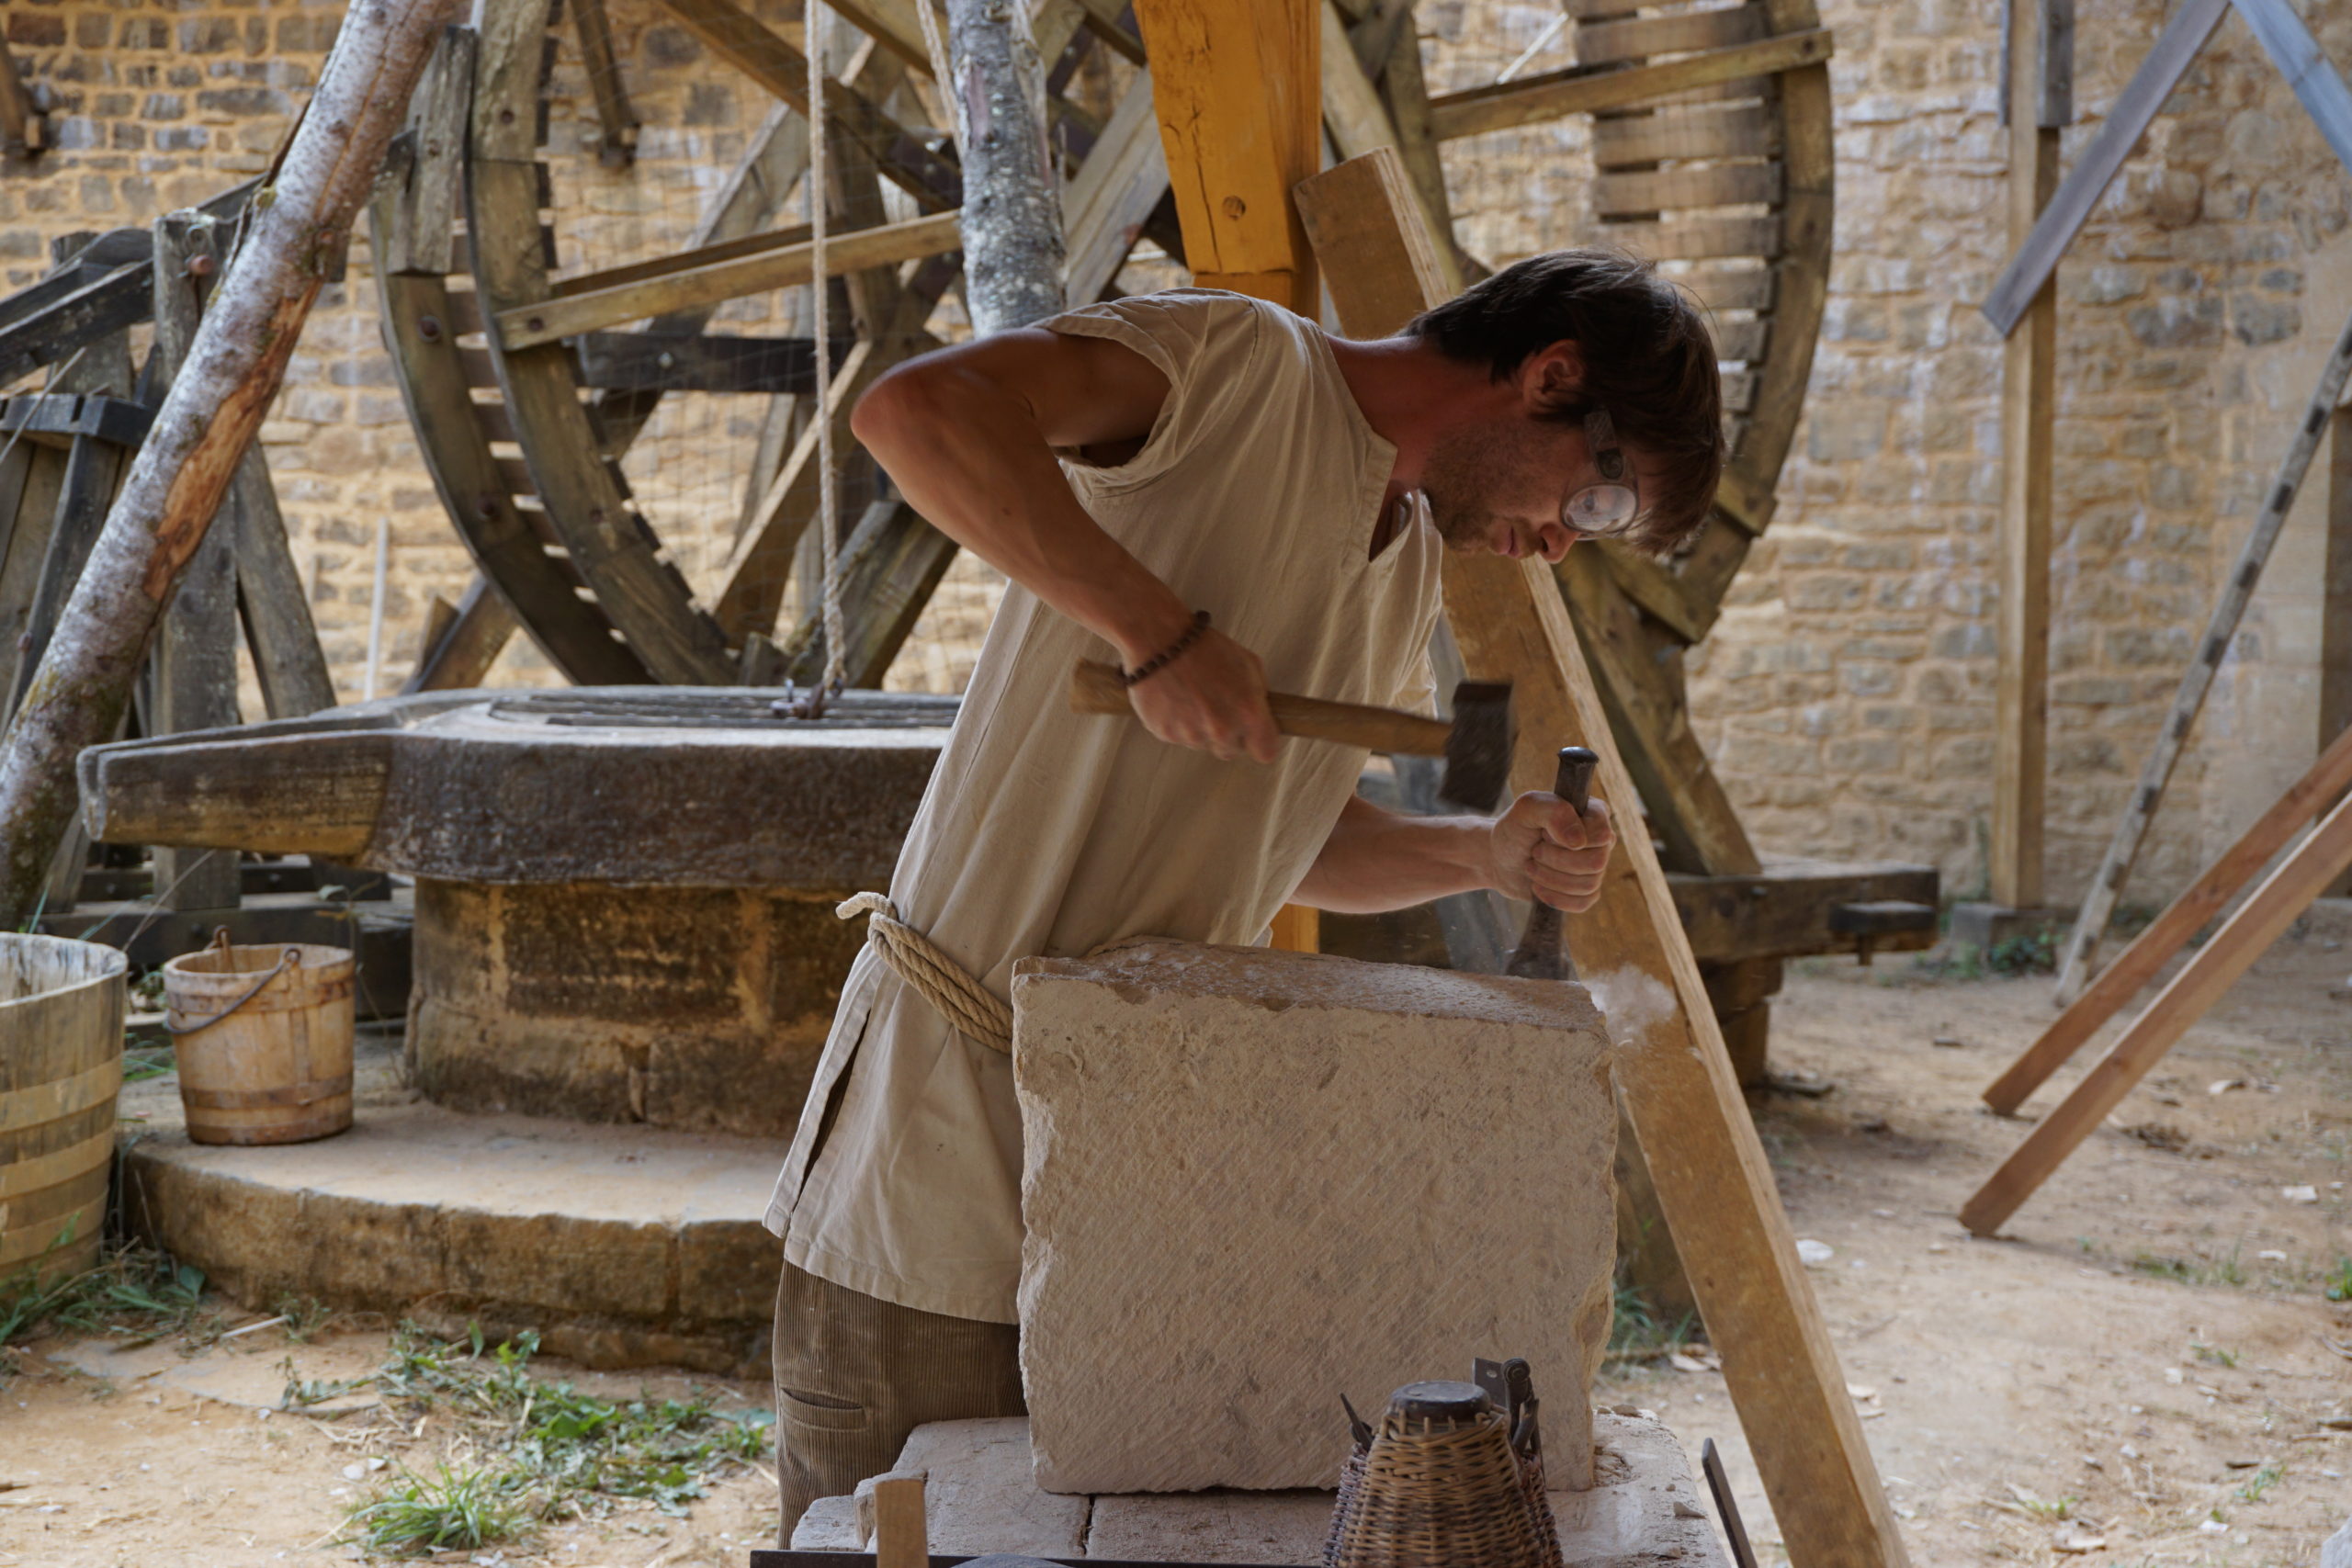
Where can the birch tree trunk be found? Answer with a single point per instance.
(302, 219)
(1012, 210)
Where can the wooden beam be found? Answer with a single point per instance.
(2245, 937)
(460, 653)
(1107, 205)
(1238, 91)
(1791, 907)
(1581, 89)
(743, 41)
(2237, 592)
(617, 145)
(699, 363)
(2029, 419)
(585, 304)
(1714, 1184)
(24, 129)
(2137, 964)
(2070, 206)
(2308, 69)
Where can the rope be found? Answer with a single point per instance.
(818, 27)
(945, 984)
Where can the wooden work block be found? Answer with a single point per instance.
(1257, 1180)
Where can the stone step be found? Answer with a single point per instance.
(622, 1245)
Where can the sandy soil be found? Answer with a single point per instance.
(2139, 1361)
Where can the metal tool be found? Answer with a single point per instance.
(1475, 745)
(1719, 1483)
(1543, 950)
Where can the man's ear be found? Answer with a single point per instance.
(1553, 377)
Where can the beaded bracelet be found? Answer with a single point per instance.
(1167, 656)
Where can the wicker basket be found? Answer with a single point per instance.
(1436, 1488)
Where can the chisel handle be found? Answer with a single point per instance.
(1542, 952)
(1096, 688)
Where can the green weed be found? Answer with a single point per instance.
(2190, 1270)
(1637, 1331)
(134, 1290)
(2338, 1280)
(450, 1510)
(2261, 1481)
(543, 1446)
(2215, 1354)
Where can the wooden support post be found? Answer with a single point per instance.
(195, 648)
(2028, 388)
(1238, 86)
(1714, 1184)
(213, 410)
(2243, 938)
(1238, 90)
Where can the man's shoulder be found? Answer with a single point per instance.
(1198, 314)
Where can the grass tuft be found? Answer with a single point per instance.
(134, 1290)
(1637, 1331)
(2190, 1270)
(2261, 1481)
(451, 1510)
(2338, 1280)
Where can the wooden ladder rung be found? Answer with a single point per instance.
(1679, 190)
(1606, 43)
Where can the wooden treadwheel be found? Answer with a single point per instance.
(1709, 145)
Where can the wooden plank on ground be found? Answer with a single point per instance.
(2170, 931)
(1714, 1184)
(2245, 937)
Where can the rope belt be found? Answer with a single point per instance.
(945, 984)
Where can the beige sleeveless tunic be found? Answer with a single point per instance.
(1046, 832)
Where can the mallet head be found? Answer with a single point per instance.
(1478, 753)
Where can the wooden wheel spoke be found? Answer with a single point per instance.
(699, 278)
(739, 39)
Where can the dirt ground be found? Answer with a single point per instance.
(2137, 1373)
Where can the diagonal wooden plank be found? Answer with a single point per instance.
(2237, 592)
(1583, 90)
(2070, 206)
(1714, 1182)
(2308, 70)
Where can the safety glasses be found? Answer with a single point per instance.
(1612, 503)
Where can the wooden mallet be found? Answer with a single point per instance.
(1475, 745)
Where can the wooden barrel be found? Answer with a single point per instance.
(263, 1041)
(61, 1063)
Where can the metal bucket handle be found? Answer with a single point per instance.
(292, 958)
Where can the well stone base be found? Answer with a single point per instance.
(692, 1007)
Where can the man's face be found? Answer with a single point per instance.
(1499, 485)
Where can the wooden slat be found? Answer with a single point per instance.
(723, 363)
(462, 654)
(1122, 180)
(1358, 120)
(2245, 937)
(1700, 239)
(2137, 964)
(586, 304)
(1730, 287)
(1714, 1182)
(1605, 43)
(1745, 130)
(1673, 190)
(423, 238)
(1584, 90)
(91, 473)
(616, 146)
(34, 521)
(1742, 341)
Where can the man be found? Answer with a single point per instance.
(1210, 491)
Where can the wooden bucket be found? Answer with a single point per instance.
(263, 1035)
(60, 1062)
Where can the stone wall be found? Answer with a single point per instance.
(1847, 693)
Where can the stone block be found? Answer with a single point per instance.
(1256, 1180)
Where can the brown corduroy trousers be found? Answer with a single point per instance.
(855, 1374)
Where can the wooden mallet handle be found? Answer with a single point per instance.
(1096, 688)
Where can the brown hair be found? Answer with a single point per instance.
(1649, 361)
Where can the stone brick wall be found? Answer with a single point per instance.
(1847, 693)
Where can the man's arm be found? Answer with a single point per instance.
(1375, 860)
(967, 433)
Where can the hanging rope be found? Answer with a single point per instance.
(944, 982)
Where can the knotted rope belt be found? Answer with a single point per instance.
(945, 984)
